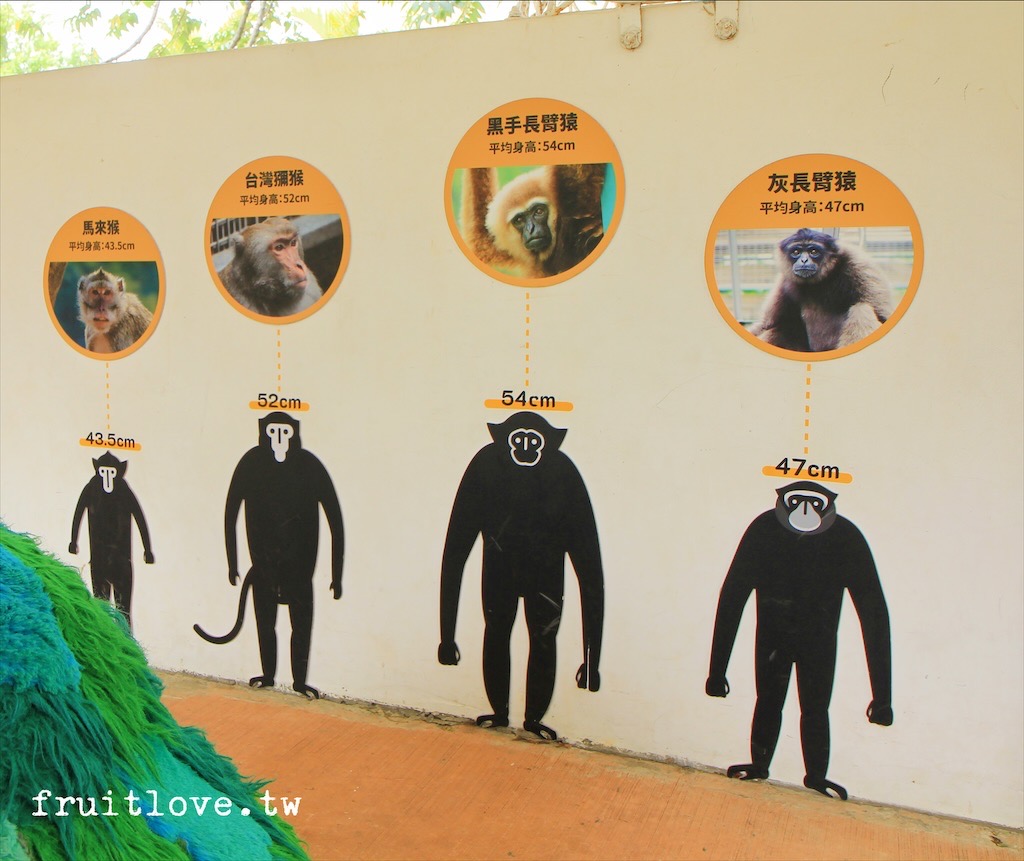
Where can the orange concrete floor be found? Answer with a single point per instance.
(379, 784)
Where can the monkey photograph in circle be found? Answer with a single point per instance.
(527, 501)
(283, 487)
(533, 222)
(799, 559)
(812, 289)
(104, 307)
(277, 266)
(110, 507)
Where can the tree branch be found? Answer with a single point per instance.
(241, 25)
(140, 37)
(259, 24)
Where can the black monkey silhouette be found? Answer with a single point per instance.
(111, 505)
(529, 502)
(283, 487)
(799, 558)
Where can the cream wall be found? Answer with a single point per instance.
(675, 414)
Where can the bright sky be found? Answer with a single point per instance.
(378, 18)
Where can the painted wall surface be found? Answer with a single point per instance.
(674, 413)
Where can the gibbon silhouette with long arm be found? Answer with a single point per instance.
(283, 487)
(528, 501)
(799, 559)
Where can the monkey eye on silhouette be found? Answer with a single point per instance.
(525, 446)
(805, 507)
(279, 435)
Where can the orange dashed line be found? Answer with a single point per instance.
(280, 373)
(526, 345)
(807, 410)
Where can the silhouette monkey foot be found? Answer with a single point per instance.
(826, 787)
(747, 772)
(309, 692)
(492, 721)
(538, 729)
(261, 682)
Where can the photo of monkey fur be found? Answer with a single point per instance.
(104, 307)
(533, 222)
(277, 266)
(824, 294)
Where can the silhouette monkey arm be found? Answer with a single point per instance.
(869, 602)
(585, 554)
(76, 521)
(739, 583)
(231, 509)
(463, 528)
(332, 510)
(140, 522)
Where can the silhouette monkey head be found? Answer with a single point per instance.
(279, 434)
(527, 436)
(805, 507)
(109, 469)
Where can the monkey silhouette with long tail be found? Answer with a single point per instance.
(283, 487)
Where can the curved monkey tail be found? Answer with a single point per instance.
(230, 635)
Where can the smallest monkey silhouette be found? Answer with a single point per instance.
(111, 505)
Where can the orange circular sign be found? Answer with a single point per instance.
(103, 283)
(278, 240)
(814, 257)
(534, 192)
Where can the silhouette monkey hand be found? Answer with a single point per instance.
(588, 678)
(448, 653)
(233, 576)
(73, 547)
(880, 713)
(717, 686)
(149, 557)
(336, 589)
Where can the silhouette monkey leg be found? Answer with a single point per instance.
(265, 604)
(121, 584)
(771, 678)
(814, 677)
(543, 616)
(101, 585)
(500, 606)
(300, 611)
